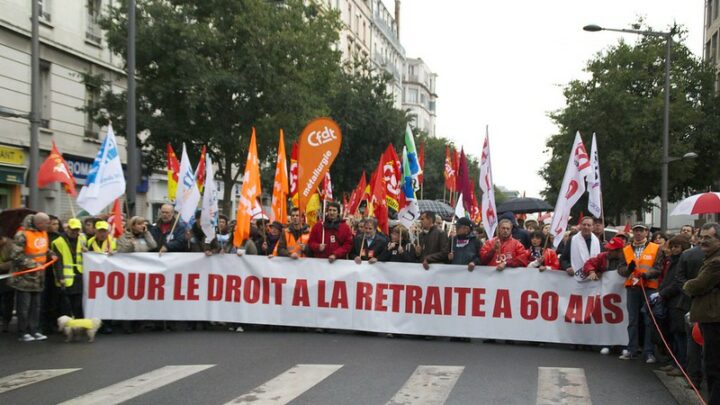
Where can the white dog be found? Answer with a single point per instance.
(72, 328)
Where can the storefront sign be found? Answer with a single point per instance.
(12, 156)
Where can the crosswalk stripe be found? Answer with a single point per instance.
(288, 385)
(136, 386)
(28, 377)
(557, 385)
(428, 385)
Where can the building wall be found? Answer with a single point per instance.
(419, 95)
(388, 55)
(71, 45)
(712, 36)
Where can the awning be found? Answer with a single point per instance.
(12, 175)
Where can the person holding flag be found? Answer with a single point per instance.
(369, 244)
(432, 244)
(504, 250)
(464, 246)
(332, 238)
(169, 232)
(296, 236)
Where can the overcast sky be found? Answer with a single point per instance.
(503, 64)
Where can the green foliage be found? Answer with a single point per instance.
(209, 71)
(623, 104)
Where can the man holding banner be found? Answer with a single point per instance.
(332, 238)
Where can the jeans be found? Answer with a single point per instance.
(637, 309)
(7, 303)
(28, 311)
(711, 359)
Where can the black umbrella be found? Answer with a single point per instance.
(524, 205)
(11, 219)
(438, 207)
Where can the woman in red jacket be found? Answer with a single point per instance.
(542, 256)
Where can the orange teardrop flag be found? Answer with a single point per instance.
(319, 144)
(249, 194)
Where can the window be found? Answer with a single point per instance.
(713, 48)
(92, 129)
(45, 10)
(92, 31)
(45, 98)
(412, 96)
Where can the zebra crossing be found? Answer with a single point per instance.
(426, 385)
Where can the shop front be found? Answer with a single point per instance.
(12, 176)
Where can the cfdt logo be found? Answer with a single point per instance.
(317, 138)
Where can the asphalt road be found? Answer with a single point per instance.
(358, 369)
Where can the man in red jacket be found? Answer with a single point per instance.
(337, 241)
(504, 251)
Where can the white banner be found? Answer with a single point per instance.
(447, 300)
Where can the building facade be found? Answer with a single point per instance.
(388, 55)
(72, 45)
(419, 95)
(712, 34)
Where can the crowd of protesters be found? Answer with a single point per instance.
(679, 275)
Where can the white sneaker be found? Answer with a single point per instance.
(239, 329)
(26, 338)
(605, 351)
(650, 359)
(39, 336)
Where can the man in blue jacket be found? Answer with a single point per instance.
(166, 241)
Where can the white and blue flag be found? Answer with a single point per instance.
(209, 214)
(105, 181)
(188, 194)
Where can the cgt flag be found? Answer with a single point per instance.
(573, 186)
(105, 181)
(391, 174)
(55, 169)
(200, 170)
(319, 146)
(449, 172)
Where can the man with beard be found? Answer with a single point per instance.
(332, 238)
(369, 244)
(295, 240)
(705, 293)
(465, 247)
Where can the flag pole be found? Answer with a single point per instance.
(72, 208)
(323, 218)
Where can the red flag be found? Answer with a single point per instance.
(626, 231)
(421, 161)
(294, 173)
(173, 168)
(357, 195)
(580, 218)
(326, 189)
(390, 165)
(200, 171)
(463, 182)
(475, 214)
(449, 171)
(378, 200)
(56, 169)
(116, 220)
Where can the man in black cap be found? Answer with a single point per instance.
(464, 246)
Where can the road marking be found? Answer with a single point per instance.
(557, 385)
(288, 385)
(428, 385)
(28, 377)
(136, 386)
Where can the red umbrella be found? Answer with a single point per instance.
(705, 203)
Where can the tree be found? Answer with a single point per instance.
(208, 71)
(622, 103)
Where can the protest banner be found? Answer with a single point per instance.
(517, 304)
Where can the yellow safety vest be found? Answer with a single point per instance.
(93, 246)
(645, 263)
(70, 266)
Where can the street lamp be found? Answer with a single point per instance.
(666, 116)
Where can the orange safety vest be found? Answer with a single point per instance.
(36, 246)
(646, 262)
(292, 244)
